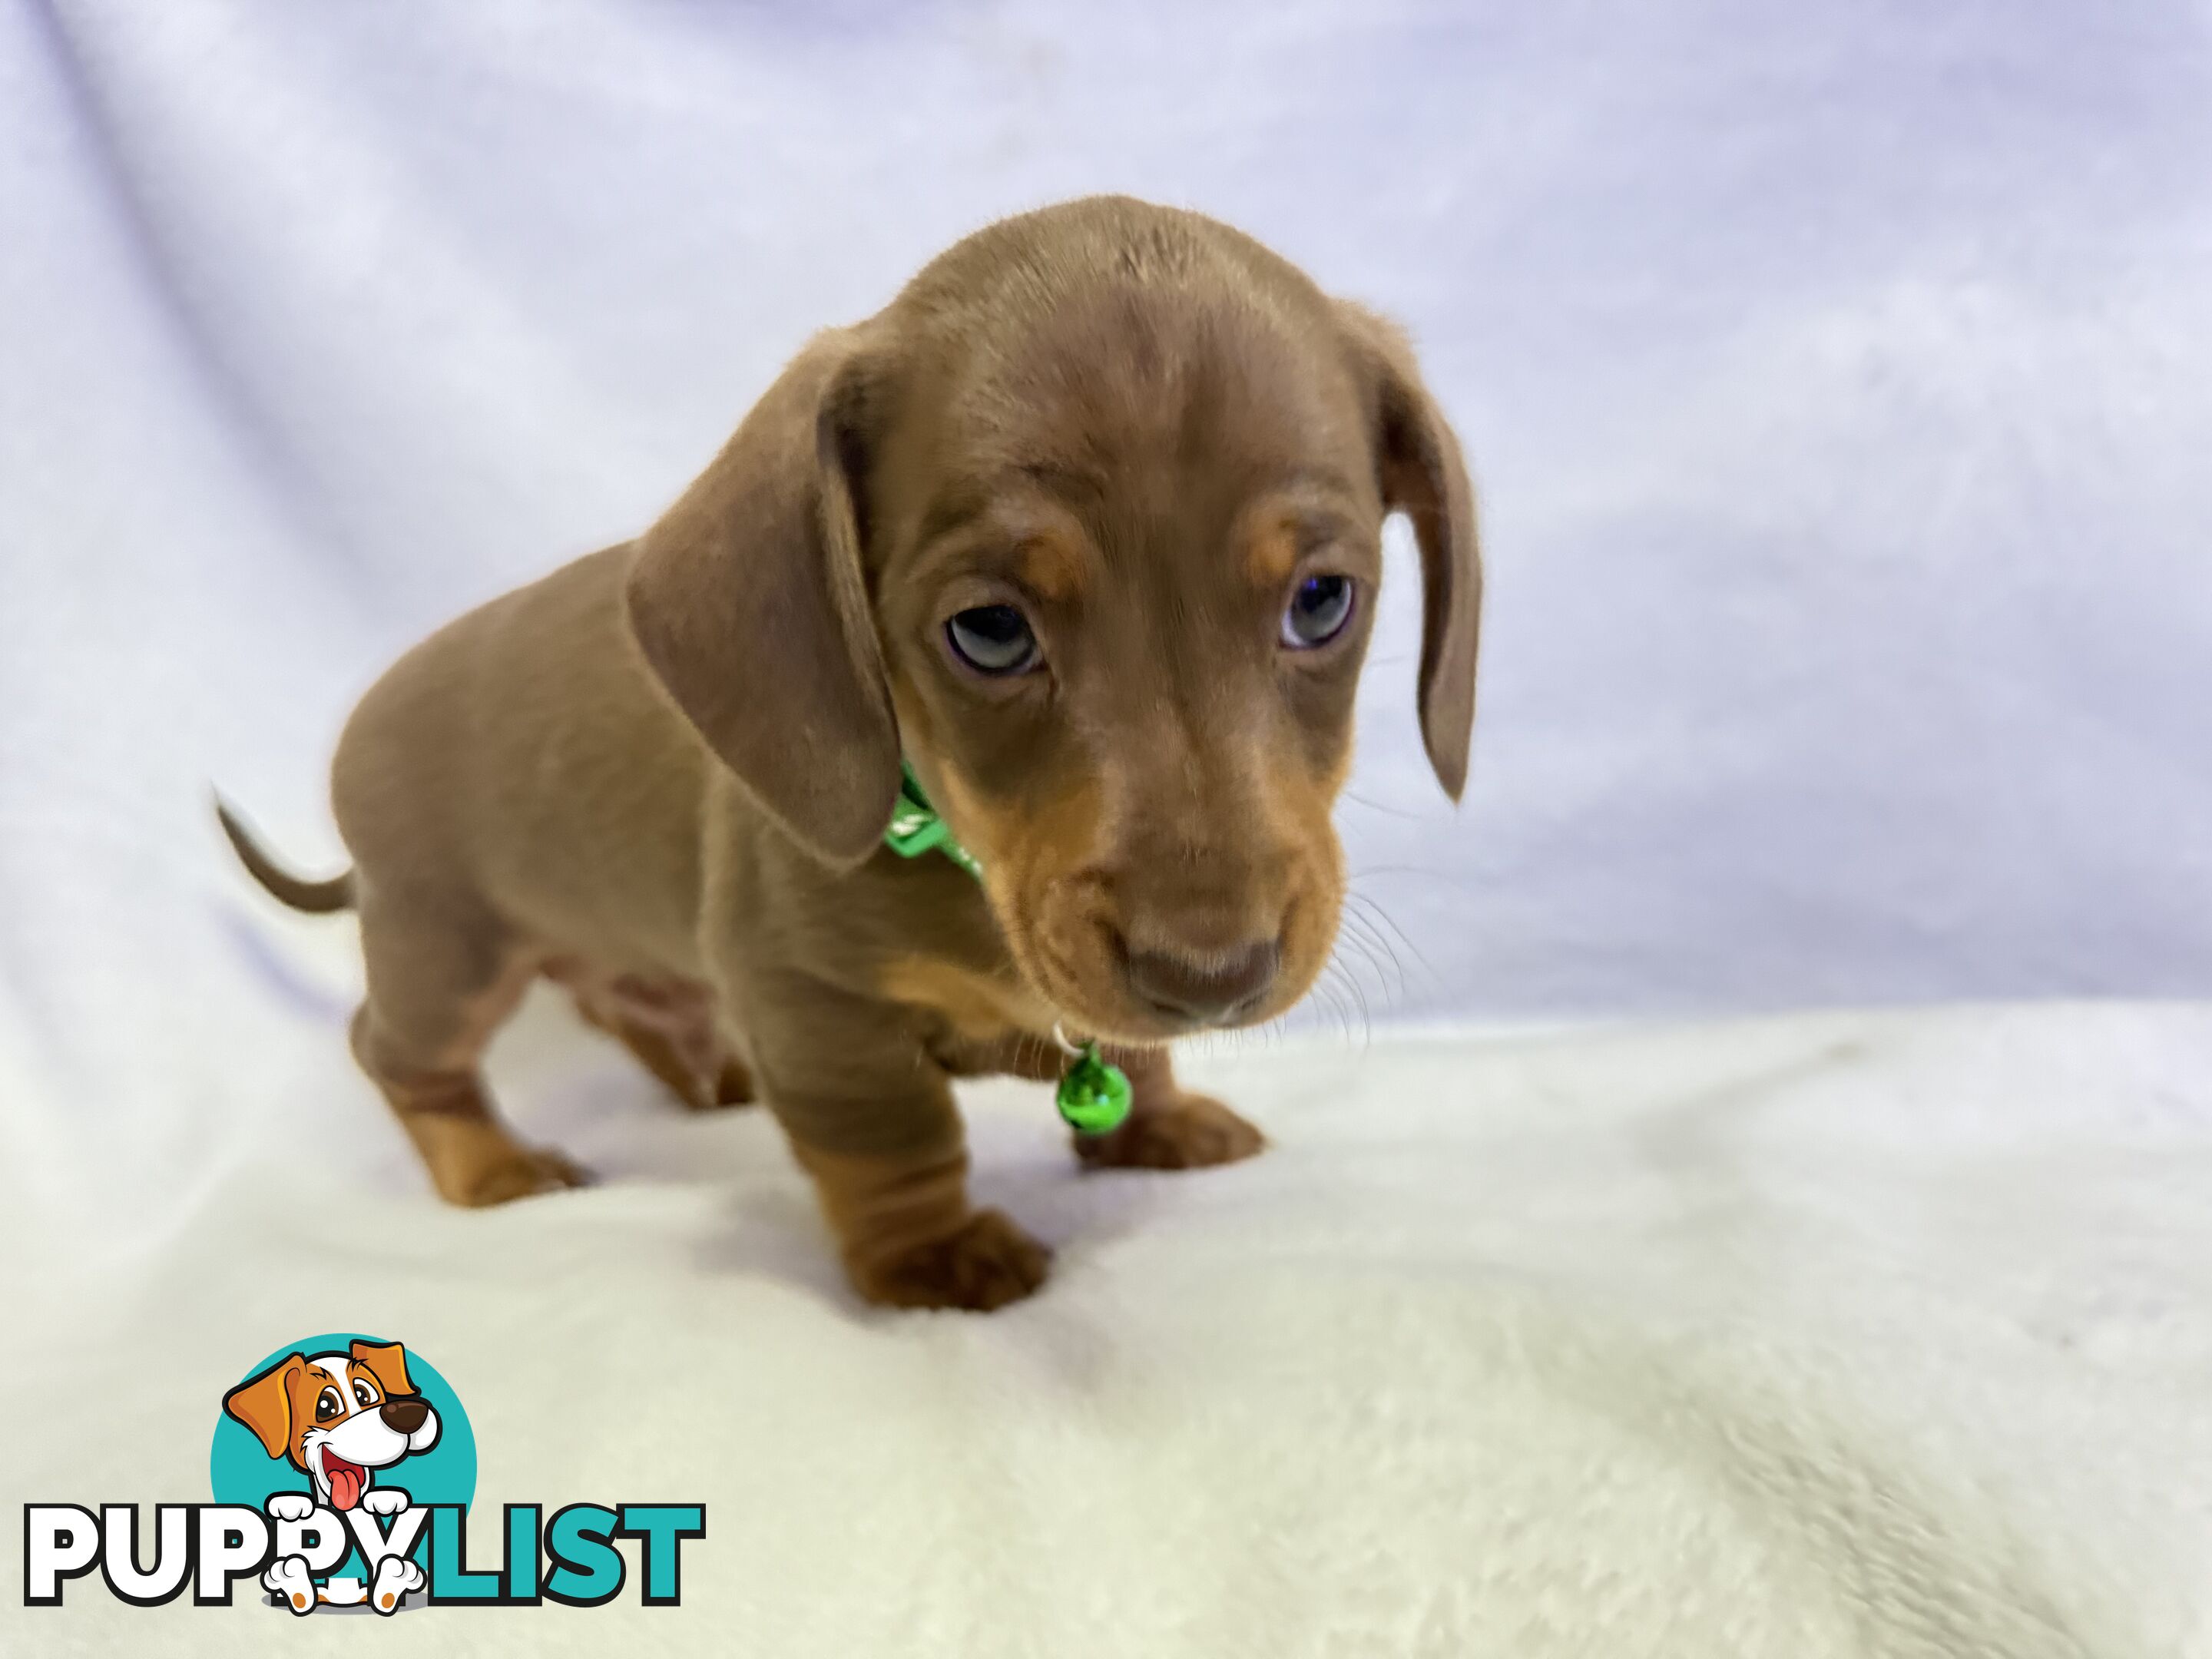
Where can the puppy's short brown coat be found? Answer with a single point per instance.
(661, 775)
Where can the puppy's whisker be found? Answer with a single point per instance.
(1355, 1016)
(1366, 1016)
(1427, 872)
(1351, 953)
(1377, 948)
(1332, 985)
(1377, 806)
(1372, 908)
(1361, 944)
(1320, 999)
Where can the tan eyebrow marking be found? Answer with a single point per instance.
(1279, 533)
(1052, 569)
(1272, 550)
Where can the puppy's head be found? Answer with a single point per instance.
(339, 1416)
(1087, 524)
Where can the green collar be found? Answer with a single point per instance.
(1094, 1093)
(915, 828)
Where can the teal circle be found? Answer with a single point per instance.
(239, 1472)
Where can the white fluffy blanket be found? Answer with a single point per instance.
(1835, 1335)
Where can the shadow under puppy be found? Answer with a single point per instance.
(1085, 527)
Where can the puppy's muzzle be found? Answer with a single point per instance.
(1207, 990)
(405, 1416)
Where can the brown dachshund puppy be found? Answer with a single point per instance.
(1086, 525)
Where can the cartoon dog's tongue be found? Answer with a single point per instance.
(346, 1481)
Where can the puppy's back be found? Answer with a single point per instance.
(523, 758)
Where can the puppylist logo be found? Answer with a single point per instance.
(342, 1469)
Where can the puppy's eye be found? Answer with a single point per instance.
(363, 1393)
(1317, 611)
(328, 1405)
(993, 639)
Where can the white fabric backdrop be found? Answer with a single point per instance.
(1838, 380)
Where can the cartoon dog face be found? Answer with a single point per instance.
(340, 1417)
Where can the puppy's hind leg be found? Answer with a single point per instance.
(442, 976)
(702, 1075)
(669, 1026)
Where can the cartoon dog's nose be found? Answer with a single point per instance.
(405, 1415)
(1204, 988)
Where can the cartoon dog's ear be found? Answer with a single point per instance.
(263, 1404)
(1418, 463)
(749, 602)
(388, 1363)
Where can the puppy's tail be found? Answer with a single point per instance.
(317, 898)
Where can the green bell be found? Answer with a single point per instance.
(1094, 1094)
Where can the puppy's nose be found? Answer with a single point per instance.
(405, 1415)
(1204, 988)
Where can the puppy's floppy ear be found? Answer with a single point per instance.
(385, 1361)
(749, 600)
(1417, 464)
(263, 1404)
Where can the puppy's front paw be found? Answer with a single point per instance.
(288, 1577)
(527, 1171)
(396, 1576)
(385, 1500)
(1188, 1132)
(734, 1085)
(289, 1506)
(986, 1264)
